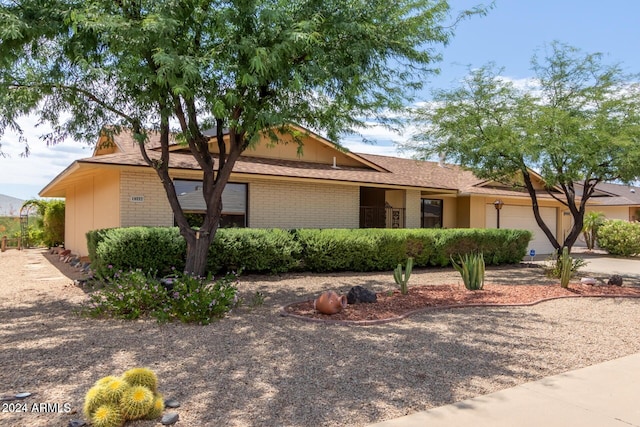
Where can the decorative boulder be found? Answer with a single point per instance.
(615, 280)
(330, 303)
(358, 294)
(588, 281)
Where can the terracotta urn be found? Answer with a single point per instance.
(330, 303)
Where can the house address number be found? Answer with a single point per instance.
(137, 199)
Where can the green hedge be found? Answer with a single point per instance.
(152, 249)
(619, 237)
(254, 250)
(383, 249)
(277, 251)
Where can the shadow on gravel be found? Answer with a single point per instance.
(255, 368)
(259, 369)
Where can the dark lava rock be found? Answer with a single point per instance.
(77, 423)
(615, 280)
(358, 294)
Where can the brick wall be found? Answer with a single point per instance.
(153, 210)
(303, 205)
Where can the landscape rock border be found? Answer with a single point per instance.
(285, 313)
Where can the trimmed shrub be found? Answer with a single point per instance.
(359, 249)
(619, 237)
(154, 249)
(157, 250)
(254, 250)
(498, 246)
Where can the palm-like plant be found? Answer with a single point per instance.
(592, 221)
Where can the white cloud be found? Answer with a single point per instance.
(21, 175)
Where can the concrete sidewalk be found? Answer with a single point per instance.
(602, 395)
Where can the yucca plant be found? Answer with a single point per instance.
(403, 279)
(471, 268)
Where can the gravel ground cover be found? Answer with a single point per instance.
(257, 368)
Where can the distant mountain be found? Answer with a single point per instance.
(10, 206)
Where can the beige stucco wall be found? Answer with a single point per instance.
(154, 210)
(611, 212)
(286, 204)
(449, 211)
(413, 200)
(90, 204)
(395, 198)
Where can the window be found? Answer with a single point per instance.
(234, 203)
(431, 213)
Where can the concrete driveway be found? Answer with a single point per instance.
(601, 266)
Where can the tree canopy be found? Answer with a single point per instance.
(576, 124)
(239, 66)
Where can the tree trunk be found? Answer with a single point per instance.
(536, 210)
(197, 252)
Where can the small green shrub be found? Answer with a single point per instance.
(471, 268)
(620, 237)
(197, 299)
(134, 294)
(557, 266)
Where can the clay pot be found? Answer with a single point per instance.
(330, 303)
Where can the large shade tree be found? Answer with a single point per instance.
(241, 67)
(576, 124)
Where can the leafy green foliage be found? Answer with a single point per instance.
(254, 250)
(592, 221)
(620, 237)
(471, 268)
(53, 220)
(557, 265)
(10, 227)
(134, 294)
(156, 249)
(162, 250)
(383, 250)
(245, 66)
(578, 125)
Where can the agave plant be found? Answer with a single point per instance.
(471, 268)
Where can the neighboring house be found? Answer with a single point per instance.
(325, 187)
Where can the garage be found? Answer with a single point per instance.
(521, 217)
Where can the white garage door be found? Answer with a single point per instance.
(522, 217)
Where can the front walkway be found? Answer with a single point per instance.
(602, 395)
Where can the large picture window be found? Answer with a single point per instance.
(431, 213)
(234, 203)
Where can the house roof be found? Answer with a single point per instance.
(610, 194)
(372, 170)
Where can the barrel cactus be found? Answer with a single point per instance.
(157, 408)
(108, 415)
(114, 390)
(93, 400)
(112, 400)
(136, 402)
(143, 377)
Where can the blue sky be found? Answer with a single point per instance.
(509, 35)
